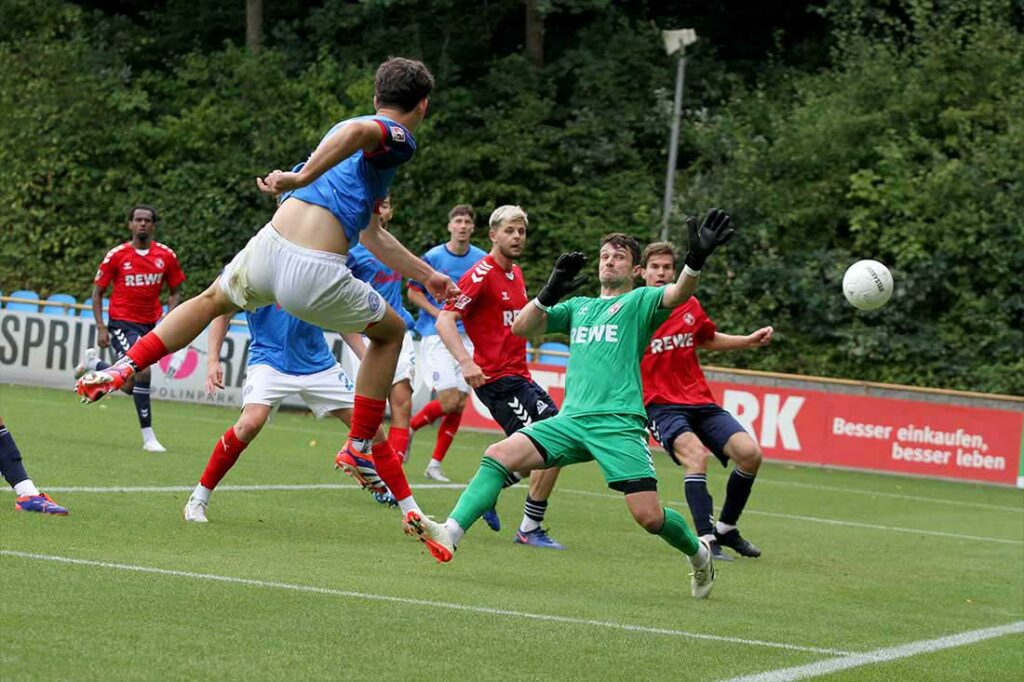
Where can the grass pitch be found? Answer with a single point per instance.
(320, 582)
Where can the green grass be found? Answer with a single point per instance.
(851, 588)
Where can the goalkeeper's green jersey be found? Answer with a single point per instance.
(607, 338)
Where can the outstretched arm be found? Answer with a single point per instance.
(564, 279)
(383, 245)
(715, 231)
(720, 341)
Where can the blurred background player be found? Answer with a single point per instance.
(29, 498)
(493, 293)
(603, 415)
(440, 370)
(298, 261)
(138, 271)
(683, 415)
(286, 357)
(388, 283)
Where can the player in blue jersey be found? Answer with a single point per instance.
(286, 357)
(298, 261)
(441, 371)
(388, 283)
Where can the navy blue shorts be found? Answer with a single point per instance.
(123, 335)
(710, 423)
(515, 402)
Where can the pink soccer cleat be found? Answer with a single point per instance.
(94, 385)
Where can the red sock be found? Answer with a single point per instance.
(399, 439)
(428, 415)
(146, 351)
(389, 468)
(446, 433)
(367, 414)
(224, 456)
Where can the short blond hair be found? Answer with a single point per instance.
(507, 212)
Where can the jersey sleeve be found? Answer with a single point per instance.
(175, 275)
(650, 310)
(105, 273)
(559, 318)
(472, 291)
(396, 145)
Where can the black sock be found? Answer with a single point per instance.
(102, 365)
(737, 492)
(535, 510)
(701, 504)
(511, 479)
(11, 467)
(141, 396)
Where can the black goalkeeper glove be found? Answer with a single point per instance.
(561, 281)
(716, 230)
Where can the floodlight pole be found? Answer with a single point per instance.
(673, 145)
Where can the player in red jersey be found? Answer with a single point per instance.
(683, 415)
(138, 270)
(493, 293)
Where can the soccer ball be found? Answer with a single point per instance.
(867, 284)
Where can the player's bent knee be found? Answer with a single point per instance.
(745, 452)
(650, 519)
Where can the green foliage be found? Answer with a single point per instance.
(904, 145)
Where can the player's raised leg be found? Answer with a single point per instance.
(744, 451)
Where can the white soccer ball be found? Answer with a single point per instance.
(867, 284)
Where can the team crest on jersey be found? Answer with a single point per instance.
(688, 318)
(159, 263)
(373, 301)
(397, 134)
(615, 308)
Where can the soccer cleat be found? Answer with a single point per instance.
(435, 473)
(359, 465)
(153, 445)
(717, 553)
(41, 503)
(703, 579)
(538, 537)
(96, 384)
(491, 519)
(195, 510)
(88, 360)
(735, 541)
(434, 535)
(385, 498)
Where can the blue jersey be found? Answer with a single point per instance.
(443, 260)
(386, 281)
(351, 189)
(286, 343)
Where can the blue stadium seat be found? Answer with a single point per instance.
(88, 311)
(549, 359)
(24, 307)
(52, 309)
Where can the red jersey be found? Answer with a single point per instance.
(669, 368)
(491, 298)
(138, 277)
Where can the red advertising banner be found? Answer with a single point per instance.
(855, 431)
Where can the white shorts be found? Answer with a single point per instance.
(440, 369)
(406, 369)
(314, 286)
(322, 392)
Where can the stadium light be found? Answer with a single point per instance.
(675, 42)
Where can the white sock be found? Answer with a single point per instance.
(147, 434)
(92, 363)
(202, 493)
(455, 529)
(709, 538)
(26, 488)
(407, 505)
(723, 528)
(701, 558)
(528, 524)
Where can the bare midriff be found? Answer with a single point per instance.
(310, 226)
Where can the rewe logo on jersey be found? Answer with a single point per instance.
(143, 280)
(599, 332)
(664, 343)
(508, 317)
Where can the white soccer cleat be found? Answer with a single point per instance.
(703, 579)
(153, 445)
(435, 473)
(434, 535)
(88, 363)
(195, 510)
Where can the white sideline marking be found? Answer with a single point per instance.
(925, 646)
(897, 496)
(833, 522)
(419, 602)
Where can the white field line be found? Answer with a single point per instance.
(895, 496)
(833, 522)
(420, 602)
(925, 646)
(458, 486)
